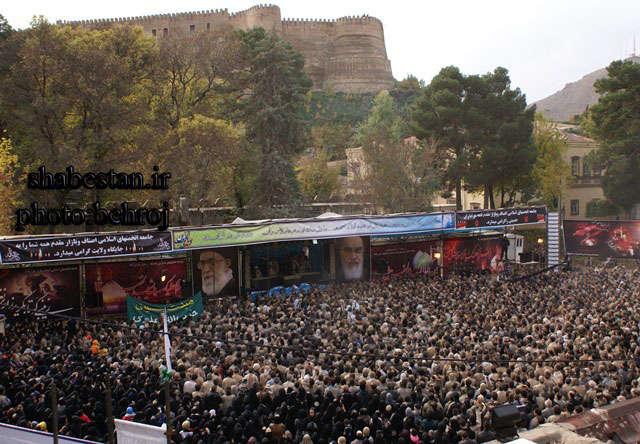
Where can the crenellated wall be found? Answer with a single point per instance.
(347, 54)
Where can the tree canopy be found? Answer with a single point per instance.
(615, 122)
(483, 129)
(399, 174)
(274, 115)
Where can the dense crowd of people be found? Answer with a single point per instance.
(412, 360)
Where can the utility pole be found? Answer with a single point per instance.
(54, 411)
(109, 409)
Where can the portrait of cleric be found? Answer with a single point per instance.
(352, 258)
(215, 271)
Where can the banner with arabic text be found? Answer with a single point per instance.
(500, 218)
(52, 290)
(473, 254)
(310, 229)
(49, 249)
(139, 311)
(409, 257)
(109, 284)
(619, 239)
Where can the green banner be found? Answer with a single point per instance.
(310, 229)
(140, 311)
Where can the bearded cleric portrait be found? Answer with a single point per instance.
(215, 271)
(352, 263)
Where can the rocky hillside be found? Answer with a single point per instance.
(574, 97)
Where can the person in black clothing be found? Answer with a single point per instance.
(505, 247)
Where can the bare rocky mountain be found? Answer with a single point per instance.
(574, 97)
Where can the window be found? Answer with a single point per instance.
(575, 207)
(165, 32)
(153, 31)
(192, 28)
(585, 169)
(575, 165)
(208, 25)
(475, 206)
(596, 171)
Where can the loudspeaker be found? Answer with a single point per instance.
(504, 420)
(526, 257)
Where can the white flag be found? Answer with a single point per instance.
(167, 342)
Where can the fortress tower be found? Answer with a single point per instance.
(347, 54)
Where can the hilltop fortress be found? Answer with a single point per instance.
(346, 54)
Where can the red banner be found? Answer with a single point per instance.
(53, 290)
(620, 239)
(473, 254)
(397, 259)
(109, 284)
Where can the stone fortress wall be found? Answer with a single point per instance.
(347, 54)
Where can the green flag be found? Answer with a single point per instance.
(140, 311)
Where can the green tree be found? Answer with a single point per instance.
(441, 113)
(601, 208)
(500, 136)
(274, 115)
(5, 28)
(397, 175)
(616, 125)
(318, 180)
(551, 172)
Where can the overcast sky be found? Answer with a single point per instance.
(544, 44)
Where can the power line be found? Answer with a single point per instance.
(309, 351)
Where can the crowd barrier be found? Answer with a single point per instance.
(17, 435)
(287, 291)
(129, 432)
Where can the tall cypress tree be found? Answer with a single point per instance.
(274, 113)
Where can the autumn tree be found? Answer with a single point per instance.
(74, 98)
(398, 175)
(209, 153)
(551, 171)
(194, 71)
(11, 182)
(318, 180)
(195, 75)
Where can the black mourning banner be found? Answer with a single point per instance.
(500, 218)
(47, 290)
(619, 239)
(83, 247)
